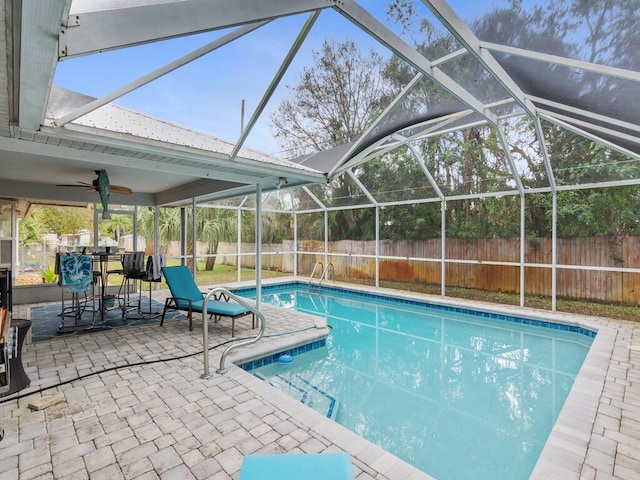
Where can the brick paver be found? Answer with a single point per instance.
(153, 418)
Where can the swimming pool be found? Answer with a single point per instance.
(456, 393)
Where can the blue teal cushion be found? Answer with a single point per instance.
(297, 466)
(76, 273)
(226, 309)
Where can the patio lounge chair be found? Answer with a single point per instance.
(186, 296)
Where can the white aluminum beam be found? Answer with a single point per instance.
(460, 30)
(564, 61)
(537, 126)
(377, 246)
(608, 184)
(512, 163)
(407, 88)
(443, 248)
(258, 247)
(38, 57)
(373, 151)
(523, 248)
(306, 28)
(314, 198)
(584, 113)
(239, 245)
(170, 67)
(370, 24)
(464, 35)
(362, 187)
(549, 115)
(447, 58)
(90, 31)
(528, 191)
(423, 166)
(574, 125)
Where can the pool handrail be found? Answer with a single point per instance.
(313, 272)
(326, 271)
(240, 343)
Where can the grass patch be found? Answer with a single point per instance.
(608, 310)
(224, 274)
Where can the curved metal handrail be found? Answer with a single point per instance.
(241, 343)
(318, 264)
(325, 271)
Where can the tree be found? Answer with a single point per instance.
(600, 31)
(212, 226)
(30, 230)
(473, 161)
(215, 225)
(61, 220)
(334, 101)
(169, 224)
(117, 226)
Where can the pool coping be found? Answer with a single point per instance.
(485, 313)
(563, 455)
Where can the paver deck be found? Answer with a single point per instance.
(135, 406)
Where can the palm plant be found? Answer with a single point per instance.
(212, 226)
(117, 225)
(215, 225)
(169, 224)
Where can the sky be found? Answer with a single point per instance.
(207, 94)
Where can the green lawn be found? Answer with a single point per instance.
(621, 312)
(223, 274)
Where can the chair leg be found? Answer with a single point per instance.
(164, 311)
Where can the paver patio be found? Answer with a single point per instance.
(134, 406)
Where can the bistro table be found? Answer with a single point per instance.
(101, 274)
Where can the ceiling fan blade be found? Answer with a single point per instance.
(101, 185)
(119, 189)
(79, 184)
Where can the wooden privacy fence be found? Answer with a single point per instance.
(469, 263)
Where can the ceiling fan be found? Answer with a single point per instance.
(104, 188)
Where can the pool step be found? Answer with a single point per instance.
(305, 392)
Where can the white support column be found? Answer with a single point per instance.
(295, 244)
(326, 237)
(523, 246)
(258, 245)
(156, 228)
(95, 226)
(377, 246)
(15, 244)
(183, 236)
(239, 247)
(194, 239)
(554, 250)
(443, 247)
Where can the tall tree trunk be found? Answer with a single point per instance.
(213, 249)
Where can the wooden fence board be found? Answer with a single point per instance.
(604, 286)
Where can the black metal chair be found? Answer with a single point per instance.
(75, 276)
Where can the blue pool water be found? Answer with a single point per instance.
(458, 394)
